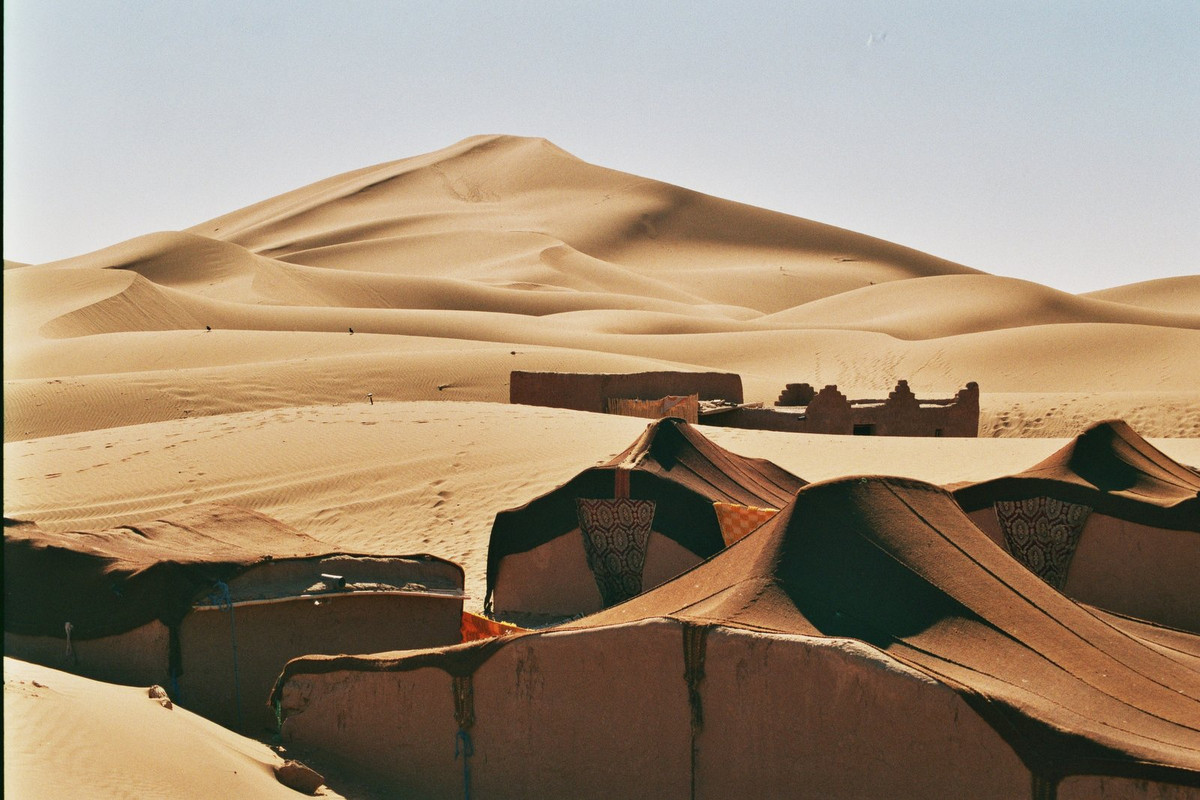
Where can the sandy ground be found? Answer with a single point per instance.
(416, 477)
(233, 361)
(70, 737)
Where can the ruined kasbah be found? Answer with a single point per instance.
(715, 398)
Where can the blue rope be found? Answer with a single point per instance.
(222, 599)
(468, 750)
(70, 647)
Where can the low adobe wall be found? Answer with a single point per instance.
(591, 391)
(826, 411)
(758, 419)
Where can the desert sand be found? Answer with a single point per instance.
(67, 736)
(338, 356)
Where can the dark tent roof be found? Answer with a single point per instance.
(672, 463)
(897, 564)
(111, 581)
(1109, 468)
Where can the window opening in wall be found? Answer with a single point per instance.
(864, 430)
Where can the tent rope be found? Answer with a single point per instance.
(695, 642)
(70, 647)
(222, 599)
(1043, 788)
(695, 639)
(464, 715)
(468, 750)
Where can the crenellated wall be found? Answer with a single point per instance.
(826, 411)
(829, 411)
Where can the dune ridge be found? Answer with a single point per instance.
(438, 264)
(421, 476)
(431, 278)
(338, 357)
(1180, 293)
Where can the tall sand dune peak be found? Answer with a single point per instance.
(541, 217)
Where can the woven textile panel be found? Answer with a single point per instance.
(1042, 533)
(615, 535)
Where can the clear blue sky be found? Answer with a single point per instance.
(1055, 141)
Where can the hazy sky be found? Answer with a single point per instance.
(1055, 141)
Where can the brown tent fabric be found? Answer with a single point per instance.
(111, 581)
(671, 463)
(896, 563)
(1108, 468)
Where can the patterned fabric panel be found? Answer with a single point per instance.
(685, 407)
(1042, 533)
(615, 535)
(736, 521)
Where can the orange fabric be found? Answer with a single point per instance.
(621, 482)
(736, 521)
(475, 627)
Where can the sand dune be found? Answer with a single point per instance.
(338, 357)
(949, 305)
(69, 737)
(1165, 294)
(751, 257)
(415, 476)
(501, 253)
(107, 380)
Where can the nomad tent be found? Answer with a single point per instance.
(1108, 520)
(211, 603)
(670, 500)
(868, 641)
